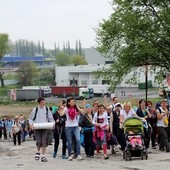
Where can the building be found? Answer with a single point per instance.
(80, 75)
(14, 61)
(83, 75)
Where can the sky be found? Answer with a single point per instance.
(53, 20)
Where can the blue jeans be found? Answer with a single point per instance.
(70, 131)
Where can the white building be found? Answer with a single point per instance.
(83, 75)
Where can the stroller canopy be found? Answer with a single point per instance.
(134, 124)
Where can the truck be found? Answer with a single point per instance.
(46, 89)
(75, 91)
(85, 93)
(26, 94)
(99, 90)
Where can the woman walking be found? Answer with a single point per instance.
(100, 121)
(59, 132)
(16, 131)
(72, 128)
(87, 128)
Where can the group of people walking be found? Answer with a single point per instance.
(13, 129)
(99, 123)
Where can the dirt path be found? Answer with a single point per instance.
(15, 110)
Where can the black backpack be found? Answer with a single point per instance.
(36, 110)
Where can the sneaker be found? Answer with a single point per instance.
(64, 157)
(54, 154)
(161, 149)
(92, 156)
(106, 157)
(43, 159)
(154, 147)
(70, 158)
(79, 157)
(37, 156)
(167, 149)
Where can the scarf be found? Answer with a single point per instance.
(72, 113)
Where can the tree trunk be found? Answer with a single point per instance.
(1, 79)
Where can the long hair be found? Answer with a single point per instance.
(68, 101)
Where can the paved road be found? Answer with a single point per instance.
(122, 93)
(22, 157)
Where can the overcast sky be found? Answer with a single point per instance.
(53, 20)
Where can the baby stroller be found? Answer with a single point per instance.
(133, 129)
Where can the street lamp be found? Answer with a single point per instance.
(73, 84)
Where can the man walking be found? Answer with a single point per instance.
(40, 114)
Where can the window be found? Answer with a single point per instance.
(84, 82)
(94, 81)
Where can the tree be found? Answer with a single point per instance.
(4, 47)
(136, 34)
(78, 60)
(27, 72)
(62, 59)
(47, 77)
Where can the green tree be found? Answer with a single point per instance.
(62, 59)
(4, 47)
(78, 60)
(136, 34)
(27, 72)
(46, 77)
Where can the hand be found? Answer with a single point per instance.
(97, 124)
(166, 112)
(57, 120)
(121, 125)
(107, 128)
(31, 127)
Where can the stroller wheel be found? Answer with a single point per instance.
(126, 156)
(141, 155)
(129, 154)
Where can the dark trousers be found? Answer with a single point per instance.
(57, 140)
(147, 136)
(17, 137)
(163, 137)
(0, 133)
(123, 140)
(153, 136)
(89, 144)
(5, 133)
(167, 129)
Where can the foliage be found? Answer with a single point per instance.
(136, 34)
(62, 59)
(4, 47)
(27, 71)
(78, 60)
(47, 77)
(11, 76)
(3, 44)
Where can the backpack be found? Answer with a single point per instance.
(167, 116)
(36, 110)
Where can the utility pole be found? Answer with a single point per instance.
(146, 79)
